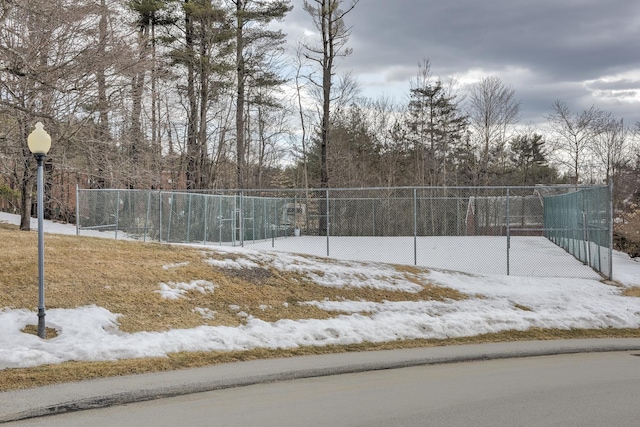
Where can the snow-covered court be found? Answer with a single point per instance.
(495, 302)
(528, 256)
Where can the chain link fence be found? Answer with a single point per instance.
(178, 217)
(581, 222)
(492, 225)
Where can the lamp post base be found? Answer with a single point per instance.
(42, 330)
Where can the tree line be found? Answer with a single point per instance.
(205, 94)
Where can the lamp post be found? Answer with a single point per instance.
(39, 143)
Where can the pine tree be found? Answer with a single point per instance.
(254, 42)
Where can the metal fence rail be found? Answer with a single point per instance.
(578, 219)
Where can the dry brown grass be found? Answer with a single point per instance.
(632, 292)
(522, 307)
(123, 276)
(33, 330)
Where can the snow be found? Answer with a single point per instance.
(175, 265)
(473, 254)
(173, 291)
(497, 303)
(205, 313)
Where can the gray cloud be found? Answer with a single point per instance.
(620, 84)
(563, 47)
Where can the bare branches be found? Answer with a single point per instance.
(575, 133)
(493, 108)
(328, 18)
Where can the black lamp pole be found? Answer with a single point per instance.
(39, 143)
(42, 331)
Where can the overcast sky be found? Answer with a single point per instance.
(584, 52)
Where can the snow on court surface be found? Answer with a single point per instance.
(506, 302)
(529, 256)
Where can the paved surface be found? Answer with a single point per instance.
(582, 390)
(69, 397)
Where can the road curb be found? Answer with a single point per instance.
(72, 397)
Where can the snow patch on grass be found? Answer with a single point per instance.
(174, 291)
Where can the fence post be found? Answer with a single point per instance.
(265, 219)
(117, 212)
(220, 199)
(584, 229)
(508, 235)
(327, 221)
(587, 243)
(295, 213)
(273, 238)
(189, 219)
(234, 220)
(274, 229)
(204, 235)
(171, 202)
(253, 220)
(458, 215)
(77, 211)
(160, 216)
(415, 227)
(146, 217)
(610, 230)
(241, 219)
(373, 216)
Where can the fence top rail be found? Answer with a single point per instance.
(578, 190)
(317, 190)
(495, 187)
(138, 190)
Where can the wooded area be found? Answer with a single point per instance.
(205, 94)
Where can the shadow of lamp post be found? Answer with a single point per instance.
(39, 143)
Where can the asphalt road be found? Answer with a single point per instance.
(593, 389)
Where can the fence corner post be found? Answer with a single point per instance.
(508, 235)
(611, 229)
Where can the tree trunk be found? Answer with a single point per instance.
(26, 199)
(192, 143)
(240, 96)
(26, 180)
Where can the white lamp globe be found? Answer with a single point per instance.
(39, 140)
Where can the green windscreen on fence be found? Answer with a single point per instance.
(179, 217)
(580, 223)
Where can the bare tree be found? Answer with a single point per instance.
(493, 108)
(611, 147)
(383, 113)
(575, 134)
(328, 18)
(300, 85)
(45, 54)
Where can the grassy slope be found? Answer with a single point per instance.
(122, 276)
